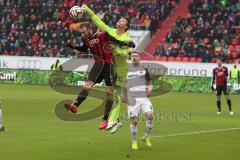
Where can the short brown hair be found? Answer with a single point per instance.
(85, 24)
(220, 58)
(135, 52)
(128, 22)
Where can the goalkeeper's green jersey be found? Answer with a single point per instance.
(120, 54)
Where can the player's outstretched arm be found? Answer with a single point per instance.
(98, 22)
(79, 48)
(213, 81)
(227, 72)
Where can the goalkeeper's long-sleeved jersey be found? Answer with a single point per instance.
(120, 53)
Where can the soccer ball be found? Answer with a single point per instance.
(76, 12)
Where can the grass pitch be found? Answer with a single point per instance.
(35, 133)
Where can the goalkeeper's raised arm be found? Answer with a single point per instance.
(121, 27)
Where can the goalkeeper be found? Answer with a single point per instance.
(120, 61)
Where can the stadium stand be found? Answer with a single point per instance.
(41, 28)
(211, 29)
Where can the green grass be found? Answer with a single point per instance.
(35, 133)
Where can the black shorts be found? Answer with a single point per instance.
(221, 89)
(102, 71)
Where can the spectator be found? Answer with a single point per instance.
(211, 27)
(147, 21)
(56, 66)
(160, 51)
(175, 50)
(56, 14)
(45, 23)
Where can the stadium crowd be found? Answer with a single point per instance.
(41, 27)
(211, 29)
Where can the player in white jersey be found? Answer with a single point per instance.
(139, 87)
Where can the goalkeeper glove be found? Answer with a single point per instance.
(127, 44)
(131, 44)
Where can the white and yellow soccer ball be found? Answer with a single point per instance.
(76, 12)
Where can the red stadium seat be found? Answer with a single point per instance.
(191, 40)
(234, 55)
(159, 24)
(237, 30)
(199, 60)
(171, 59)
(206, 40)
(173, 3)
(156, 58)
(234, 41)
(236, 61)
(237, 47)
(234, 49)
(192, 59)
(230, 47)
(185, 59)
(164, 59)
(178, 59)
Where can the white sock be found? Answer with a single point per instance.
(133, 133)
(1, 118)
(148, 128)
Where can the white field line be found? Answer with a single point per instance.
(197, 132)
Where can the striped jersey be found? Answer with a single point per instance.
(220, 75)
(99, 44)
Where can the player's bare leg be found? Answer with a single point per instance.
(219, 104)
(133, 129)
(84, 93)
(81, 97)
(2, 129)
(229, 102)
(148, 128)
(108, 107)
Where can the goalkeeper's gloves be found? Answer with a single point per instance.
(130, 44)
(87, 10)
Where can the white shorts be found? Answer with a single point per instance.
(142, 105)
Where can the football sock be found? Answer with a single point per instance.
(133, 129)
(1, 118)
(115, 114)
(148, 128)
(219, 106)
(229, 104)
(82, 96)
(108, 108)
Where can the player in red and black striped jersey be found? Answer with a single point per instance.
(2, 129)
(220, 75)
(103, 69)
